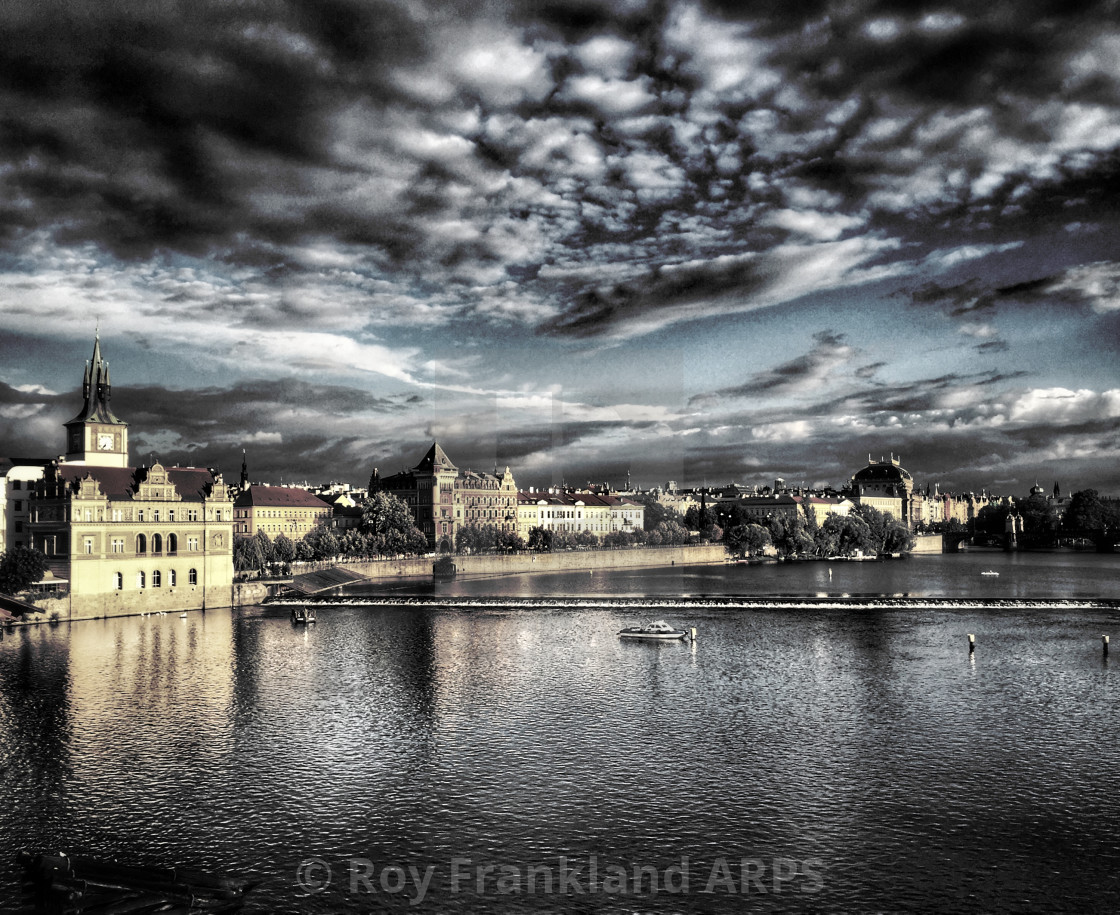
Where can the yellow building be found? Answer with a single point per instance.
(885, 486)
(279, 510)
(129, 539)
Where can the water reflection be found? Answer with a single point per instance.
(867, 738)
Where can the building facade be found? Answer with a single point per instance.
(444, 499)
(129, 539)
(279, 510)
(576, 512)
(885, 486)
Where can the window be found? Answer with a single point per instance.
(141, 543)
(157, 543)
(118, 581)
(171, 514)
(172, 544)
(118, 515)
(19, 505)
(171, 578)
(118, 545)
(88, 546)
(157, 579)
(17, 484)
(192, 514)
(139, 514)
(192, 577)
(89, 515)
(155, 515)
(192, 543)
(140, 579)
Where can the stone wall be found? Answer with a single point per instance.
(521, 563)
(150, 600)
(928, 543)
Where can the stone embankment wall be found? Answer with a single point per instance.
(928, 543)
(522, 563)
(150, 600)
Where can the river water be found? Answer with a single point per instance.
(438, 758)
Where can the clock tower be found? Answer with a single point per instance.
(95, 436)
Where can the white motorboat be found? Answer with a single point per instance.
(660, 631)
(991, 573)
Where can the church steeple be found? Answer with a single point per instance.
(244, 481)
(96, 436)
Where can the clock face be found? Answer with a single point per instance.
(105, 442)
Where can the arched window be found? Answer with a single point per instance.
(140, 582)
(141, 544)
(118, 581)
(171, 579)
(157, 543)
(157, 579)
(192, 577)
(172, 544)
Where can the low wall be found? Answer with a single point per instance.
(928, 543)
(522, 563)
(150, 600)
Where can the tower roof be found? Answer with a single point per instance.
(96, 389)
(435, 461)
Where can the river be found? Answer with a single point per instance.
(850, 757)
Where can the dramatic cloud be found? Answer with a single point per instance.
(655, 207)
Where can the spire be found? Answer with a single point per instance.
(96, 389)
(244, 481)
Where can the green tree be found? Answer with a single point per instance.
(283, 549)
(655, 512)
(265, 545)
(246, 553)
(20, 568)
(789, 534)
(846, 535)
(746, 540)
(1086, 513)
(389, 527)
(540, 539)
(509, 542)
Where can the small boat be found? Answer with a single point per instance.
(303, 615)
(991, 573)
(660, 630)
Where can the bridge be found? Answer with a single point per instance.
(951, 542)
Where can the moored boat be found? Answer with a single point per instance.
(303, 615)
(660, 631)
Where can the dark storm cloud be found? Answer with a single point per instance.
(806, 372)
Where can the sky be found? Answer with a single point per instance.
(694, 241)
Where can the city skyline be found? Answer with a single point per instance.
(580, 239)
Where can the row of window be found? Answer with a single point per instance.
(116, 544)
(157, 579)
(118, 514)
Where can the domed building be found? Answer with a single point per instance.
(886, 486)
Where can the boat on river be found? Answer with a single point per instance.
(303, 615)
(659, 631)
(990, 573)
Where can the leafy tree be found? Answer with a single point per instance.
(1086, 513)
(789, 534)
(540, 539)
(747, 540)
(283, 549)
(897, 539)
(305, 552)
(20, 568)
(509, 542)
(246, 553)
(698, 519)
(655, 512)
(845, 535)
(388, 527)
(265, 545)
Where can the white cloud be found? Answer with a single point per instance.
(1061, 406)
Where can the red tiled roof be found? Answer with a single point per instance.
(279, 497)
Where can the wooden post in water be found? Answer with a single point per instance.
(692, 636)
(971, 643)
(1104, 644)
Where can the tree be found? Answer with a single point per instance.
(789, 534)
(509, 542)
(540, 539)
(389, 527)
(845, 535)
(246, 553)
(1086, 513)
(265, 545)
(283, 549)
(655, 512)
(20, 568)
(746, 540)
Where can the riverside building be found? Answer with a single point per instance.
(129, 539)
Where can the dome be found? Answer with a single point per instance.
(883, 472)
